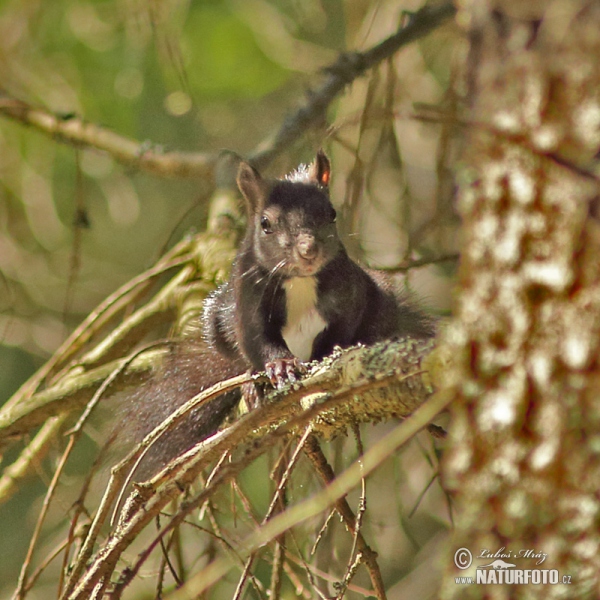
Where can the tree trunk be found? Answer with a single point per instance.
(523, 459)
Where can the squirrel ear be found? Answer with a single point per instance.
(320, 170)
(252, 186)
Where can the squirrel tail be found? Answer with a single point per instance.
(187, 370)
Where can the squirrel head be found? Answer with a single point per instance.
(291, 220)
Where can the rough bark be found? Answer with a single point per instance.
(523, 459)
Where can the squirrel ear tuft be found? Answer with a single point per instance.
(252, 186)
(320, 170)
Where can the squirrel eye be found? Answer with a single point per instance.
(266, 224)
(333, 215)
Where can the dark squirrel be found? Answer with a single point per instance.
(292, 296)
(294, 293)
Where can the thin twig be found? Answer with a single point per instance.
(23, 583)
(219, 536)
(315, 572)
(166, 560)
(258, 587)
(338, 488)
(32, 453)
(243, 578)
(322, 531)
(344, 71)
(120, 472)
(324, 469)
(299, 587)
(307, 569)
(44, 565)
(98, 319)
(355, 558)
(74, 435)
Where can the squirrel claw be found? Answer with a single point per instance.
(252, 394)
(282, 370)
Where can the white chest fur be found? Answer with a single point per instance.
(303, 322)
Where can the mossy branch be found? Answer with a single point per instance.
(358, 385)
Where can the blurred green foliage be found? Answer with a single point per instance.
(238, 69)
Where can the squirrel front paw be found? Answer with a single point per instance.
(279, 371)
(282, 370)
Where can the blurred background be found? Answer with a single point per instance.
(203, 76)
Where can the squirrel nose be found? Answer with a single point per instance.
(307, 246)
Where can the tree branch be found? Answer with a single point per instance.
(355, 394)
(142, 155)
(347, 68)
